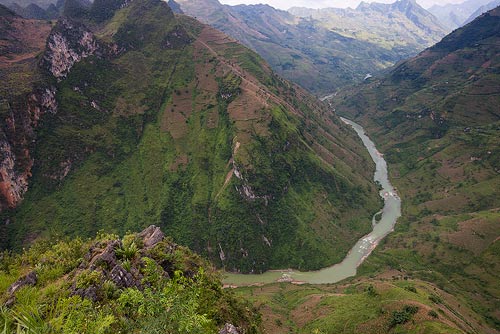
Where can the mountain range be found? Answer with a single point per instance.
(453, 16)
(124, 116)
(135, 117)
(324, 56)
(402, 24)
(437, 120)
(483, 9)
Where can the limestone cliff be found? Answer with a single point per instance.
(17, 137)
(23, 107)
(68, 44)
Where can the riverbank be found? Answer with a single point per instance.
(361, 250)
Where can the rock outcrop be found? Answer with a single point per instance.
(28, 280)
(69, 43)
(122, 263)
(229, 329)
(17, 136)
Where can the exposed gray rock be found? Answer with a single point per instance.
(30, 279)
(89, 293)
(104, 258)
(69, 43)
(121, 277)
(151, 236)
(229, 329)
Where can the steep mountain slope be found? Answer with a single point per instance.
(454, 15)
(162, 120)
(483, 9)
(436, 118)
(391, 303)
(24, 99)
(402, 26)
(320, 59)
(142, 282)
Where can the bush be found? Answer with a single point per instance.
(433, 314)
(403, 316)
(411, 289)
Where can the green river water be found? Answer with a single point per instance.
(361, 250)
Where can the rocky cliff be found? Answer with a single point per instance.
(24, 101)
(17, 138)
(24, 107)
(68, 43)
(142, 282)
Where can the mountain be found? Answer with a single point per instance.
(394, 302)
(22, 41)
(142, 282)
(402, 25)
(319, 57)
(43, 4)
(455, 15)
(482, 9)
(437, 120)
(136, 117)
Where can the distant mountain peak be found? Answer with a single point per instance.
(6, 12)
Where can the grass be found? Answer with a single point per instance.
(439, 138)
(176, 290)
(146, 155)
(362, 305)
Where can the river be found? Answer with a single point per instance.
(347, 268)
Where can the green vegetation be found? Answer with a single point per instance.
(378, 305)
(436, 119)
(200, 137)
(166, 289)
(322, 53)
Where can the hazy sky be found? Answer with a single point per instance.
(285, 4)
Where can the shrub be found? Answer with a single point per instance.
(403, 316)
(88, 278)
(411, 289)
(127, 252)
(433, 314)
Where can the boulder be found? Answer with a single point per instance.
(29, 279)
(151, 236)
(229, 329)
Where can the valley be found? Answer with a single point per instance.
(183, 128)
(130, 131)
(324, 50)
(382, 223)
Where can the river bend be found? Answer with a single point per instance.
(347, 268)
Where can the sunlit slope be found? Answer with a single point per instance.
(170, 122)
(436, 118)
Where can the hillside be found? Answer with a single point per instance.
(319, 57)
(483, 9)
(142, 282)
(147, 118)
(390, 303)
(403, 26)
(437, 120)
(454, 16)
